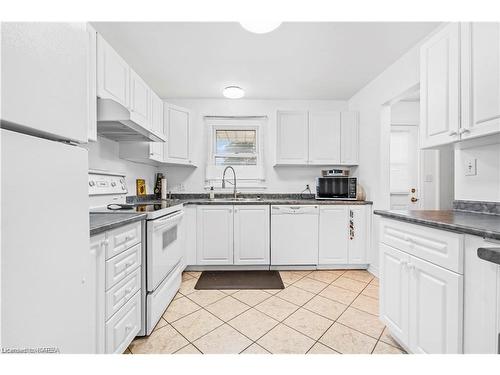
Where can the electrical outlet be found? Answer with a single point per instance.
(470, 166)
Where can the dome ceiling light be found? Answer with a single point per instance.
(233, 92)
(260, 27)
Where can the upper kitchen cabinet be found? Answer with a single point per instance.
(140, 100)
(440, 88)
(57, 99)
(480, 82)
(317, 138)
(113, 74)
(177, 122)
(156, 148)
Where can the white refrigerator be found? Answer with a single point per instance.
(46, 268)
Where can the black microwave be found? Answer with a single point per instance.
(336, 188)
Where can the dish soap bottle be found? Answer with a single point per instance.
(212, 192)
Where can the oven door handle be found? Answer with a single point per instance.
(170, 221)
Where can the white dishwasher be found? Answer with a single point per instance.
(294, 235)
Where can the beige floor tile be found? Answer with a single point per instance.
(186, 276)
(229, 291)
(368, 304)
(295, 295)
(188, 349)
(255, 349)
(359, 275)
(223, 340)
(251, 297)
(206, 297)
(388, 339)
(197, 324)
(302, 273)
(179, 308)
(276, 308)
(325, 307)
(253, 324)
(161, 323)
(383, 348)
(290, 277)
(187, 287)
(319, 348)
(324, 276)
(348, 341)
(272, 291)
(375, 281)
(338, 294)
(308, 323)
(362, 321)
(349, 284)
(284, 340)
(371, 291)
(227, 308)
(127, 351)
(313, 286)
(165, 340)
(195, 274)
(177, 296)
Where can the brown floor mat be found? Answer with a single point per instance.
(239, 280)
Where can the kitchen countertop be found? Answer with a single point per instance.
(269, 201)
(102, 222)
(478, 224)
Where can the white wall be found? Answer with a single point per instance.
(278, 179)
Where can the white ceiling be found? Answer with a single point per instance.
(329, 60)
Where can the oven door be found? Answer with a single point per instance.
(164, 248)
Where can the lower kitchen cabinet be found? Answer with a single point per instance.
(214, 235)
(251, 235)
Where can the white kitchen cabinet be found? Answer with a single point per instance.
(140, 101)
(436, 309)
(214, 239)
(113, 74)
(177, 125)
(333, 234)
(292, 137)
(359, 230)
(156, 148)
(349, 133)
(480, 83)
(394, 291)
(440, 87)
(98, 287)
(251, 235)
(324, 138)
(92, 83)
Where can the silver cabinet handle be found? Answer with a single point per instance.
(464, 130)
(452, 133)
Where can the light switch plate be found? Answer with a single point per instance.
(470, 167)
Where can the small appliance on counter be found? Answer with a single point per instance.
(342, 172)
(161, 186)
(336, 187)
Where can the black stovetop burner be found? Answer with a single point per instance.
(143, 206)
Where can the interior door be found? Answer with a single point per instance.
(214, 235)
(404, 172)
(324, 137)
(251, 235)
(333, 234)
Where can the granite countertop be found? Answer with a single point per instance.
(270, 201)
(102, 222)
(478, 224)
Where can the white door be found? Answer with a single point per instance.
(349, 138)
(214, 235)
(404, 167)
(436, 309)
(359, 242)
(394, 286)
(113, 74)
(292, 137)
(439, 87)
(177, 145)
(480, 79)
(251, 235)
(140, 99)
(156, 148)
(333, 234)
(324, 138)
(45, 78)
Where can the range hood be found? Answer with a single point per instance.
(116, 122)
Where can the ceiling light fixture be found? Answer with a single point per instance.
(260, 27)
(233, 92)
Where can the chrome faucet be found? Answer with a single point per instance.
(234, 180)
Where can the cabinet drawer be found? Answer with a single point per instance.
(122, 238)
(124, 326)
(121, 292)
(124, 264)
(436, 246)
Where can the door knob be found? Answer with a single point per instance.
(413, 199)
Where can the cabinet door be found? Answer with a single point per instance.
(214, 235)
(359, 241)
(349, 138)
(98, 287)
(113, 74)
(394, 280)
(436, 309)
(140, 99)
(251, 235)
(292, 137)
(92, 83)
(439, 88)
(480, 79)
(333, 234)
(324, 138)
(177, 145)
(156, 148)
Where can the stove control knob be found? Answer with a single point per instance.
(113, 184)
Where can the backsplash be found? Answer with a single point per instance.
(492, 208)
